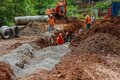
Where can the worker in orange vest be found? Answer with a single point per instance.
(105, 17)
(60, 40)
(88, 21)
(51, 22)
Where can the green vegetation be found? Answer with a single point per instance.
(11, 8)
(102, 5)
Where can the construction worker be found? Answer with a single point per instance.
(88, 21)
(92, 19)
(60, 40)
(105, 18)
(51, 22)
(67, 37)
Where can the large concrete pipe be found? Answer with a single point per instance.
(6, 32)
(16, 31)
(23, 20)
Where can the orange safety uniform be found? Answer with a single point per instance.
(88, 19)
(105, 18)
(59, 40)
(51, 21)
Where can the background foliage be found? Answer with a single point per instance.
(12, 8)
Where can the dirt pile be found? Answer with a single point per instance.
(115, 20)
(86, 66)
(103, 27)
(44, 42)
(34, 28)
(95, 55)
(100, 43)
(6, 72)
(74, 25)
(73, 67)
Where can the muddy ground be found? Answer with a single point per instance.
(94, 54)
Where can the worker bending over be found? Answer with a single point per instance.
(88, 21)
(67, 37)
(51, 22)
(60, 40)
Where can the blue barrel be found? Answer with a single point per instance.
(115, 8)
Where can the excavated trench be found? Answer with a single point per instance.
(88, 60)
(42, 54)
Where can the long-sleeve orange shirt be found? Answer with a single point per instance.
(51, 21)
(88, 19)
(59, 40)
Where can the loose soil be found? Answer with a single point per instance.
(94, 54)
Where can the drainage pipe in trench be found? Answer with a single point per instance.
(23, 20)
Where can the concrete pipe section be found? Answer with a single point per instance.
(16, 31)
(6, 32)
(23, 20)
(9, 32)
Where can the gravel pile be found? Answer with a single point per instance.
(25, 60)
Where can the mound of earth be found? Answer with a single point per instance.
(95, 56)
(101, 43)
(34, 28)
(103, 27)
(74, 25)
(6, 72)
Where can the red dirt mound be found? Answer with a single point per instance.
(5, 72)
(74, 25)
(103, 27)
(80, 64)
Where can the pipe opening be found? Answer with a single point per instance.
(17, 31)
(11, 33)
(7, 33)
